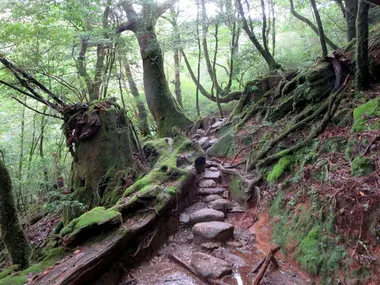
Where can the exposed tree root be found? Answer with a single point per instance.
(265, 265)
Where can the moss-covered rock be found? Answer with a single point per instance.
(367, 116)
(222, 147)
(237, 190)
(98, 218)
(282, 165)
(362, 166)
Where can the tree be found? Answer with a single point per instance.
(248, 28)
(362, 64)
(351, 9)
(11, 232)
(321, 32)
(310, 24)
(163, 107)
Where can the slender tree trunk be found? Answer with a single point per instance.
(177, 76)
(164, 109)
(20, 196)
(272, 64)
(351, 12)
(10, 229)
(142, 113)
(310, 24)
(198, 64)
(321, 33)
(362, 64)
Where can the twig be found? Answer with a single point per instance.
(265, 266)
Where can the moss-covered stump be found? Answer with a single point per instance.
(367, 116)
(222, 147)
(113, 146)
(362, 166)
(90, 223)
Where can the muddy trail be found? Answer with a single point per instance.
(219, 241)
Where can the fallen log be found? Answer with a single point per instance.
(265, 265)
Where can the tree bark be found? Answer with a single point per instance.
(321, 33)
(351, 12)
(362, 64)
(11, 231)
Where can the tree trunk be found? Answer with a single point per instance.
(362, 64)
(321, 33)
(177, 76)
(11, 231)
(165, 110)
(351, 12)
(142, 114)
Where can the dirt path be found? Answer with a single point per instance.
(239, 252)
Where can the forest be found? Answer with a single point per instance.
(175, 142)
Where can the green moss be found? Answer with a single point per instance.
(237, 189)
(98, 215)
(222, 146)
(362, 166)
(371, 109)
(171, 190)
(309, 251)
(282, 165)
(14, 280)
(7, 271)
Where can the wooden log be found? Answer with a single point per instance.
(265, 265)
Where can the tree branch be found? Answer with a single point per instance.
(34, 110)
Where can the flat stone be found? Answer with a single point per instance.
(210, 245)
(214, 175)
(213, 141)
(211, 191)
(184, 218)
(206, 215)
(212, 197)
(208, 266)
(217, 124)
(221, 205)
(206, 183)
(204, 143)
(237, 209)
(212, 168)
(212, 231)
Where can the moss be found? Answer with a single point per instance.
(96, 216)
(362, 166)
(281, 166)
(237, 189)
(309, 251)
(171, 190)
(363, 113)
(334, 144)
(9, 270)
(14, 280)
(222, 146)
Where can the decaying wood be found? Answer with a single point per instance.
(265, 265)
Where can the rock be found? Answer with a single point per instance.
(234, 244)
(211, 191)
(222, 146)
(214, 175)
(213, 141)
(233, 259)
(206, 183)
(221, 205)
(208, 266)
(212, 197)
(210, 245)
(217, 124)
(212, 168)
(184, 218)
(204, 143)
(201, 132)
(206, 215)
(181, 160)
(237, 209)
(212, 231)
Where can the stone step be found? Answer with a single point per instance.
(211, 191)
(206, 215)
(212, 231)
(208, 266)
(212, 197)
(221, 205)
(213, 175)
(207, 183)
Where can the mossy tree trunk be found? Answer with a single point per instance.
(11, 232)
(362, 64)
(351, 12)
(321, 32)
(162, 105)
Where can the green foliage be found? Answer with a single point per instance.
(281, 166)
(363, 113)
(362, 166)
(8, 270)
